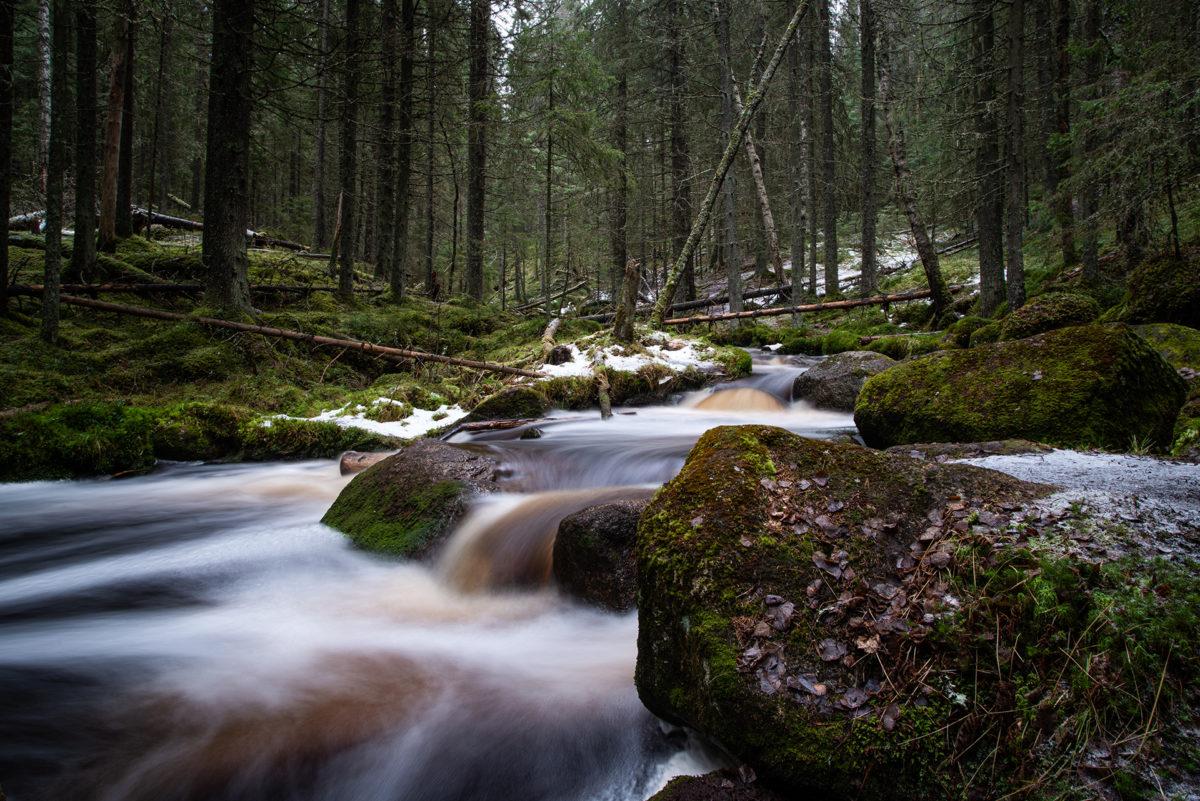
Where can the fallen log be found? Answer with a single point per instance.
(184, 224)
(548, 337)
(383, 351)
(533, 304)
(169, 288)
(777, 311)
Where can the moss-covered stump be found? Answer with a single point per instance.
(1087, 386)
(406, 504)
(1048, 312)
(1165, 290)
(836, 382)
(782, 581)
(1179, 345)
(854, 624)
(593, 554)
(722, 785)
(75, 440)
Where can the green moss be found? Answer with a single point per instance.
(984, 335)
(840, 342)
(514, 403)
(1178, 344)
(958, 334)
(1165, 290)
(735, 361)
(400, 521)
(1092, 386)
(1048, 312)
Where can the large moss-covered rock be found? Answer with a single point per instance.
(1048, 312)
(593, 554)
(835, 382)
(779, 589)
(1165, 290)
(1086, 386)
(406, 504)
(512, 403)
(854, 624)
(1178, 344)
(1187, 429)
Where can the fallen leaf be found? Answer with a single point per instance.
(831, 650)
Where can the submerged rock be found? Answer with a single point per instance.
(1048, 312)
(854, 624)
(835, 382)
(593, 554)
(781, 580)
(1086, 386)
(407, 503)
(357, 461)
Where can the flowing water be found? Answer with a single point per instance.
(198, 634)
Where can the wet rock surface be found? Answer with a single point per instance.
(835, 382)
(358, 461)
(1085, 386)
(722, 785)
(406, 504)
(947, 451)
(857, 624)
(593, 554)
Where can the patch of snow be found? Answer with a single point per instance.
(582, 364)
(417, 424)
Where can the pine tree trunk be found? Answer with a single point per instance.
(700, 223)
(619, 244)
(681, 200)
(385, 151)
(43, 79)
(227, 155)
(7, 21)
(56, 163)
(399, 239)
(157, 137)
(828, 154)
(83, 251)
(1015, 219)
(477, 85)
(1089, 202)
(1061, 151)
(733, 256)
(348, 156)
(939, 293)
(113, 124)
(767, 219)
(431, 283)
(810, 154)
(989, 211)
(124, 218)
(799, 167)
(320, 221)
(867, 20)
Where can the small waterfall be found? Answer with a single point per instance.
(739, 400)
(510, 541)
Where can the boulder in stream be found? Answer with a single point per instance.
(407, 503)
(1085, 386)
(835, 382)
(855, 624)
(593, 554)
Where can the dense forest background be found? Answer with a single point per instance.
(502, 150)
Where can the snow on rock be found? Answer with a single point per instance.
(416, 424)
(661, 349)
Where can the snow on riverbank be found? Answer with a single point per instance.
(674, 354)
(418, 423)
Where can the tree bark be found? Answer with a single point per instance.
(1060, 152)
(227, 155)
(113, 124)
(399, 271)
(431, 283)
(385, 150)
(348, 157)
(43, 80)
(938, 292)
(779, 311)
(799, 167)
(56, 163)
(1089, 196)
(869, 207)
(320, 222)
(83, 251)
(733, 256)
(619, 244)
(477, 86)
(681, 201)
(124, 219)
(770, 232)
(810, 154)
(7, 21)
(989, 211)
(1015, 222)
(828, 154)
(164, 40)
(701, 221)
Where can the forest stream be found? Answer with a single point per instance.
(197, 633)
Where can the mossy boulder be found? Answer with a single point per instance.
(835, 382)
(785, 607)
(406, 504)
(1187, 429)
(1086, 386)
(1165, 290)
(593, 554)
(511, 403)
(1178, 344)
(958, 333)
(1048, 312)
(984, 335)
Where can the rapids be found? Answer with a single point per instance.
(196, 633)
